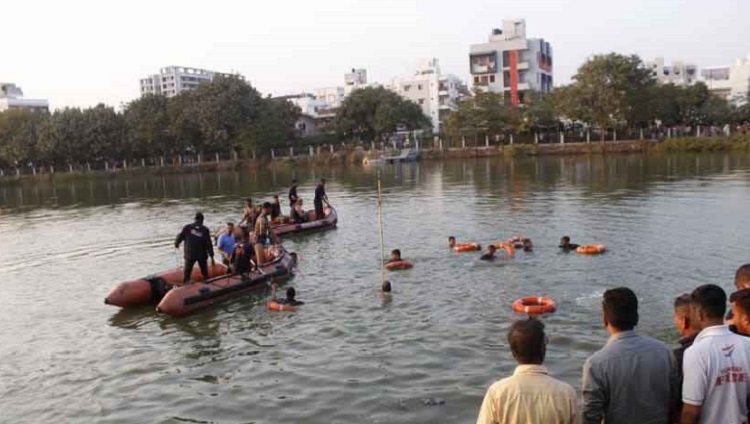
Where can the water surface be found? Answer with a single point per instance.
(426, 355)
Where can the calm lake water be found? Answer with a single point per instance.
(426, 356)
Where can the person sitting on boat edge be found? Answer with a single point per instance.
(275, 208)
(451, 242)
(198, 248)
(298, 212)
(566, 245)
(489, 255)
(242, 255)
(264, 236)
(291, 297)
(225, 243)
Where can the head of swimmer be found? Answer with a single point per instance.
(291, 294)
(491, 249)
(528, 246)
(386, 286)
(527, 341)
(565, 242)
(395, 255)
(451, 241)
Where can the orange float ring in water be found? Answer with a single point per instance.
(509, 249)
(534, 306)
(591, 249)
(398, 265)
(278, 307)
(467, 247)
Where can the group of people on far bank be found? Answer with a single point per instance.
(635, 379)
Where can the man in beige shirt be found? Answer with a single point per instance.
(530, 395)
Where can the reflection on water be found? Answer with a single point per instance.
(424, 354)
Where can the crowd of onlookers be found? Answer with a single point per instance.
(635, 379)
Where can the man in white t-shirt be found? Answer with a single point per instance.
(716, 367)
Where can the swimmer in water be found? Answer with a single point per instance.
(291, 297)
(451, 242)
(566, 245)
(489, 255)
(395, 256)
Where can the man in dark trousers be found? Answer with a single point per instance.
(293, 196)
(198, 247)
(320, 197)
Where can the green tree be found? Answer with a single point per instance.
(608, 90)
(483, 114)
(147, 121)
(375, 113)
(272, 128)
(19, 136)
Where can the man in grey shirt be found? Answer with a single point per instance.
(633, 378)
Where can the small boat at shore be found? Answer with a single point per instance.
(178, 300)
(327, 222)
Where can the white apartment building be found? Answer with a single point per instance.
(355, 79)
(678, 73)
(11, 97)
(731, 82)
(436, 93)
(512, 64)
(332, 96)
(172, 80)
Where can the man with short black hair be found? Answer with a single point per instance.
(198, 247)
(530, 395)
(740, 301)
(633, 378)
(741, 281)
(716, 384)
(293, 196)
(686, 326)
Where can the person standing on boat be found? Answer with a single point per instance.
(225, 243)
(293, 195)
(264, 236)
(275, 208)
(198, 247)
(320, 197)
(248, 214)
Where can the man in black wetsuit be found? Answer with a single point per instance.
(320, 197)
(198, 247)
(293, 195)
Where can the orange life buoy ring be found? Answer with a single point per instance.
(591, 249)
(398, 265)
(273, 305)
(534, 305)
(509, 249)
(467, 247)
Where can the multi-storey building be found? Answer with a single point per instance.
(679, 73)
(731, 82)
(11, 97)
(332, 96)
(512, 64)
(172, 80)
(355, 79)
(436, 93)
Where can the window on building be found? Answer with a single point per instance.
(492, 78)
(421, 101)
(476, 80)
(407, 87)
(419, 87)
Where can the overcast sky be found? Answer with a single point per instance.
(79, 53)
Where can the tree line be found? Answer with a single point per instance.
(224, 116)
(608, 93)
(230, 117)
